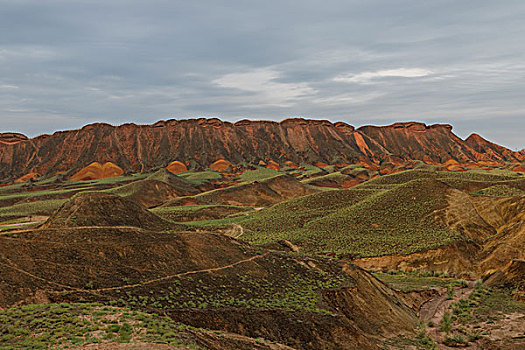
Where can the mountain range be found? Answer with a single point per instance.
(198, 143)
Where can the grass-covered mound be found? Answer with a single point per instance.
(255, 194)
(360, 221)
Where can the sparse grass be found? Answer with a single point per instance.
(200, 177)
(466, 320)
(294, 289)
(32, 194)
(335, 176)
(310, 170)
(488, 304)
(259, 174)
(417, 280)
(216, 222)
(190, 212)
(44, 207)
(375, 222)
(66, 325)
(500, 191)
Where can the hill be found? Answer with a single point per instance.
(416, 219)
(156, 189)
(254, 194)
(199, 279)
(103, 209)
(359, 221)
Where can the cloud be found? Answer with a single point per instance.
(366, 77)
(265, 85)
(77, 62)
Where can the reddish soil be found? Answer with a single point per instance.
(96, 171)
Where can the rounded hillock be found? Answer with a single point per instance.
(103, 209)
(149, 193)
(97, 171)
(221, 165)
(185, 188)
(176, 167)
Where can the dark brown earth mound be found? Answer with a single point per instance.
(152, 192)
(257, 194)
(205, 280)
(103, 209)
(149, 193)
(200, 142)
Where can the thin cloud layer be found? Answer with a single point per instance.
(264, 87)
(64, 64)
(366, 77)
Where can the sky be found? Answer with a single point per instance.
(64, 64)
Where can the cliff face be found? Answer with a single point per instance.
(483, 146)
(200, 142)
(436, 143)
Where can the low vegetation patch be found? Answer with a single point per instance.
(67, 325)
(360, 221)
(417, 280)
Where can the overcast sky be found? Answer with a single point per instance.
(64, 64)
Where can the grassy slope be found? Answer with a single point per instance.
(360, 221)
(65, 325)
(387, 215)
(44, 207)
(200, 177)
(190, 212)
(259, 174)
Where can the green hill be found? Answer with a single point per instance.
(361, 221)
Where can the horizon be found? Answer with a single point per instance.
(67, 64)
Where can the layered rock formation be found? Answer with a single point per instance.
(201, 142)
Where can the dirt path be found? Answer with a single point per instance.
(182, 274)
(16, 268)
(239, 229)
(434, 309)
(29, 221)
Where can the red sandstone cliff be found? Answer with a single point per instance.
(200, 142)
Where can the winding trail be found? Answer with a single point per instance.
(182, 274)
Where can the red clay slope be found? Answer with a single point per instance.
(201, 142)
